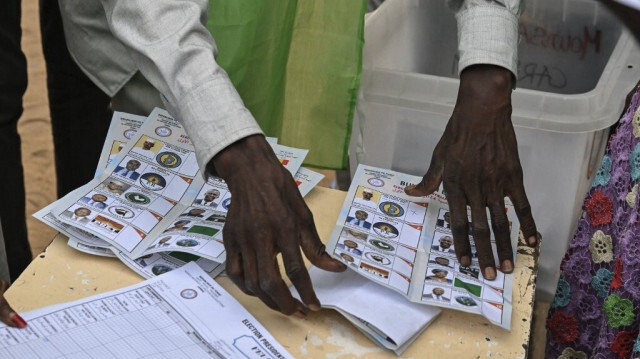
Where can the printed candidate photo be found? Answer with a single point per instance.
(350, 246)
(444, 219)
(359, 218)
(347, 258)
(129, 168)
(439, 275)
(147, 147)
(443, 242)
(436, 293)
(442, 261)
(95, 200)
(209, 197)
(78, 214)
(114, 186)
(353, 234)
(366, 197)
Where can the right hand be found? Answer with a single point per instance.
(268, 216)
(7, 315)
(477, 161)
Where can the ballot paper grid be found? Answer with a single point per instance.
(406, 244)
(446, 281)
(384, 244)
(160, 183)
(202, 235)
(134, 324)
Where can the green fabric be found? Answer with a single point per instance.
(297, 66)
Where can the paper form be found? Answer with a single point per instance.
(183, 314)
(405, 243)
(385, 316)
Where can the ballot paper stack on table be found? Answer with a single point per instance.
(149, 205)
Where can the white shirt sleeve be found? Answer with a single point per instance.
(170, 45)
(488, 32)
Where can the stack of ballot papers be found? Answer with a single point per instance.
(183, 314)
(406, 245)
(149, 204)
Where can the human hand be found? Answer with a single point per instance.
(477, 161)
(268, 216)
(7, 315)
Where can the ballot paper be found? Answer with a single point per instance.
(75, 243)
(306, 179)
(291, 158)
(122, 128)
(183, 314)
(151, 265)
(151, 181)
(373, 309)
(149, 197)
(405, 243)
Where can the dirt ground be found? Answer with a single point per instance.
(35, 131)
(37, 152)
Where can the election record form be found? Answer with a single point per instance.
(184, 313)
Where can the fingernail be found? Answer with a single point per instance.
(314, 307)
(507, 266)
(532, 240)
(17, 320)
(300, 315)
(410, 188)
(490, 273)
(465, 261)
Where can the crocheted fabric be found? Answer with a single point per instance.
(569, 353)
(604, 173)
(563, 294)
(596, 310)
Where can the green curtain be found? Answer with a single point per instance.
(297, 66)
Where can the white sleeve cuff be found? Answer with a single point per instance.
(488, 35)
(214, 117)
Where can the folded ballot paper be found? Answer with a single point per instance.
(405, 244)
(184, 314)
(372, 309)
(149, 205)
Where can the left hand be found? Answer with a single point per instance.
(7, 315)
